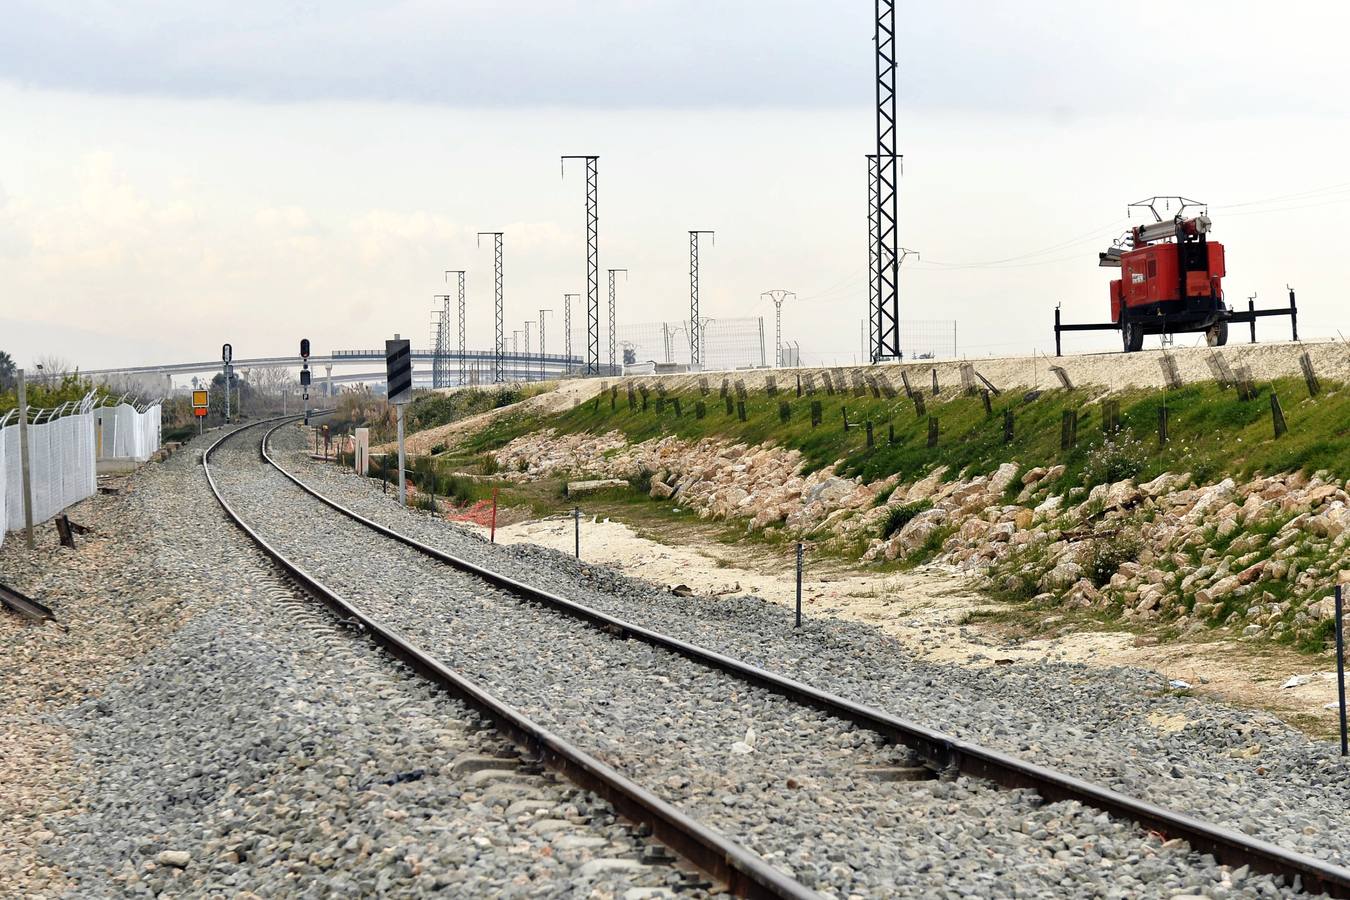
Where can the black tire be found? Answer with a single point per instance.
(1132, 335)
(1217, 334)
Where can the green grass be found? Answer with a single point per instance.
(1213, 433)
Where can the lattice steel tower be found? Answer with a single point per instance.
(440, 342)
(613, 346)
(463, 363)
(567, 329)
(542, 350)
(695, 335)
(592, 261)
(886, 310)
(873, 255)
(499, 342)
(778, 297)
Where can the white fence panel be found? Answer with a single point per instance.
(4, 489)
(127, 434)
(61, 467)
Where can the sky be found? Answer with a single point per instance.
(178, 175)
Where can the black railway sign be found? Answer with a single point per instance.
(398, 370)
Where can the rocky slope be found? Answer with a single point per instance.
(1261, 556)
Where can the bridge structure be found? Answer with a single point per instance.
(477, 366)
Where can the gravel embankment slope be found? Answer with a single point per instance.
(201, 732)
(1123, 728)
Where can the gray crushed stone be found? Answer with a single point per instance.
(258, 750)
(802, 796)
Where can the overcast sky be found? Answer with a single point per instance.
(174, 175)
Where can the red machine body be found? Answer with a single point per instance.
(1152, 275)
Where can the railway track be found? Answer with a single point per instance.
(476, 618)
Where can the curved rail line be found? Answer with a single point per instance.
(743, 872)
(937, 749)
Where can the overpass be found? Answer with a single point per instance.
(518, 366)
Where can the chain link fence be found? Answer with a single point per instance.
(726, 343)
(64, 447)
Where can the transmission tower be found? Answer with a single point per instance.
(542, 350)
(592, 261)
(886, 313)
(567, 329)
(440, 343)
(499, 343)
(873, 255)
(528, 323)
(463, 365)
(612, 336)
(778, 297)
(695, 351)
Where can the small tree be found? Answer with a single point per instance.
(7, 371)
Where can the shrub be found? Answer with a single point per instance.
(900, 516)
(1102, 555)
(1118, 458)
(642, 481)
(488, 464)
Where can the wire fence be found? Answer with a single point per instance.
(725, 343)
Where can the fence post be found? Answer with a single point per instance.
(1340, 666)
(24, 464)
(1162, 425)
(799, 602)
(1007, 426)
(492, 538)
(932, 431)
(869, 434)
(1277, 415)
(576, 521)
(1068, 429)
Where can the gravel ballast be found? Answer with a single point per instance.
(203, 731)
(1241, 768)
(785, 781)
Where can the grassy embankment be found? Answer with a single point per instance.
(1212, 434)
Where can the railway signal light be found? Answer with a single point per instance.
(304, 348)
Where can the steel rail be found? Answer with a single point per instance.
(939, 750)
(24, 605)
(743, 872)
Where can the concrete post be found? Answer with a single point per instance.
(24, 463)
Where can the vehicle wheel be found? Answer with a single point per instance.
(1217, 335)
(1132, 335)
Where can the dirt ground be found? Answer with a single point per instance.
(928, 611)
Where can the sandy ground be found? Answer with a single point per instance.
(925, 610)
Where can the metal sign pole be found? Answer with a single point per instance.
(402, 488)
(23, 462)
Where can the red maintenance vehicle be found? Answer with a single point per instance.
(1171, 282)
